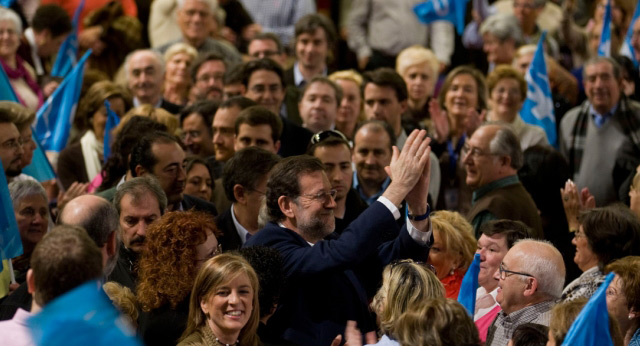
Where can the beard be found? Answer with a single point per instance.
(316, 228)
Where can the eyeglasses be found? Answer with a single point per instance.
(215, 252)
(579, 234)
(409, 261)
(13, 144)
(475, 152)
(504, 272)
(322, 135)
(192, 134)
(321, 196)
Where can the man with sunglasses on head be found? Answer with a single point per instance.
(530, 281)
(334, 150)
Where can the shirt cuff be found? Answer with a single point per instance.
(392, 208)
(422, 238)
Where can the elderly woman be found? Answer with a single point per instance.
(419, 68)
(199, 179)
(564, 314)
(224, 283)
(31, 208)
(507, 92)
(176, 247)
(623, 297)
(501, 36)
(605, 234)
(177, 80)
(350, 110)
(82, 161)
(21, 75)
(452, 251)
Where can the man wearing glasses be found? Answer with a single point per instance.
(530, 280)
(492, 159)
(10, 146)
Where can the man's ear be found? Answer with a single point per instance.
(112, 246)
(531, 287)
(140, 171)
(31, 282)
(286, 206)
(277, 146)
(239, 193)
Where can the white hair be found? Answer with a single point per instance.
(8, 14)
(158, 57)
(545, 263)
(216, 10)
(503, 27)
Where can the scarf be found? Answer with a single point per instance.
(91, 147)
(21, 72)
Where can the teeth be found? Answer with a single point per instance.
(234, 313)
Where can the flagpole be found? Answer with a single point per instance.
(13, 275)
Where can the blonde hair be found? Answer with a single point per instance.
(21, 116)
(123, 299)
(404, 284)
(180, 47)
(436, 322)
(216, 272)
(353, 76)
(417, 55)
(457, 236)
(156, 114)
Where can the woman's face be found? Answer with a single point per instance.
(207, 249)
(420, 80)
(178, 68)
(99, 119)
(617, 303)
(9, 39)
(32, 216)
(351, 103)
(498, 52)
(199, 182)
(28, 146)
(506, 100)
(440, 258)
(229, 307)
(584, 258)
(461, 96)
(617, 16)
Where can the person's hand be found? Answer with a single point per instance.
(49, 88)
(362, 63)
(417, 197)
(574, 202)
(76, 189)
(474, 120)
(407, 166)
(13, 287)
(440, 121)
(352, 336)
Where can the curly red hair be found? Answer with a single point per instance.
(168, 265)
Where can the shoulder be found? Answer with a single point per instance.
(198, 204)
(569, 119)
(194, 339)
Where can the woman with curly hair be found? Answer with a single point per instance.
(176, 246)
(224, 306)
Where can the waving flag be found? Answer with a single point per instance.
(604, 48)
(450, 10)
(40, 167)
(54, 118)
(469, 286)
(538, 106)
(591, 327)
(6, 90)
(10, 242)
(626, 48)
(7, 3)
(112, 121)
(82, 316)
(67, 56)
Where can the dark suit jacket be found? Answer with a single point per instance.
(199, 204)
(289, 79)
(323, 286)
(294, 139)
(20, 298)
(170, 107)
(230, 239)
(71, 166)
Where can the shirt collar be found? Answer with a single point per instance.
(298, 79)
(137, 103)
(500, 183)
(242, 232)
(369, 200)
(607, 115)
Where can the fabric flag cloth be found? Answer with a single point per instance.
(10, 242)
(7, 3)
(67, 56)
(604, 48)
(40, 167)
(469, 286)
(83, 316)
(54, 118)
(6, 90)
(591, 327)
(538, 106)
(450, 10)
(627, 49)
(112, 121)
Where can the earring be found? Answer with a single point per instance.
(452, 272)
(632, 316)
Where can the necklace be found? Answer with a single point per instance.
(222, 343)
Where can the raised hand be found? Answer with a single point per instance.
(440, 121)
(407, 167)
(574, 202)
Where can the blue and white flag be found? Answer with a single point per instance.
(538, 106)
(82, 316)
(450, 10)
(469, 286)
(591, 327)
(54, 118)
(7, 3)
(627, 49)
(604, 48)
(67, 57)
(10, 242)
(6, 90)
(40, 167)
(112, 121)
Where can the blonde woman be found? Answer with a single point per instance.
(177, 79)
(350, 108)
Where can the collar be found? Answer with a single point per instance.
(137, 103)
(21, 316)
(298, 79)
(37, 63)
(242, 232)
(500, 183)
(607, 115)
(285, 227)
(369, 200)
(518, 315)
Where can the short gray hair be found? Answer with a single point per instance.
(503, 27)
(137, 187)
(617, 70)
(154, 53)
(506, 143)
(548, 271)
(10, 15)
(21, 189)
(217, 12)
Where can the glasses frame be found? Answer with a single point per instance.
(321, 196)
(323, 135)
(504, 272)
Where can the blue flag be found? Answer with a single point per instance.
(591, 327)
(538, 106)
(54, 118)
(604, 48)
(67, 57)
(450, 10)
(6, 3)
(10, 242)
(6, 90)
(626, 49)
(112, 121)
(40, 167)
(469, 286)
(83, 316)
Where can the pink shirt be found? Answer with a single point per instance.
(14, 332)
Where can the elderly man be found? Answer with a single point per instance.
(530, 280)
(493, 157)
(319, 104)
(300, 205)
(599, 137)
(145, 76)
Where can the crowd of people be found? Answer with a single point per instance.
(302, 172)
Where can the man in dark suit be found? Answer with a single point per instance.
(145, 76)
(245, 181)
(327, 279)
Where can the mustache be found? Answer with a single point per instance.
(138, 240)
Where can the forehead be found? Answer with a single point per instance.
(379, 92)
(320, 87)
(193, 120)
(8, 24)
(262, 44)
(167, 153)
(317, 34)
(226, 116)
(313, 181)
(497, 239)
(422, 67)
(196, 4)
(264, 77)
(211, 66)
(8, 131)
(463, 79)
(257, 131)
(483, 136)
(36, 200)
(371, 137)
(145, 204)
(143, 60)
(602, 67)
(333, 153)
